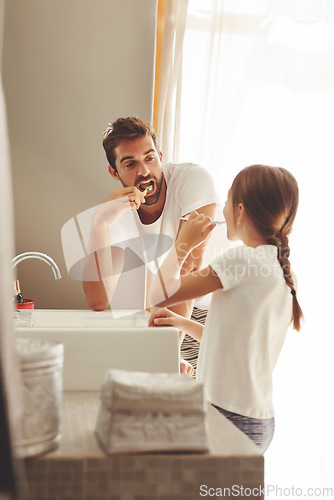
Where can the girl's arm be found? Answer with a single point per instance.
(168, 281)
(194, 285)
(191, 286)
(165, 317)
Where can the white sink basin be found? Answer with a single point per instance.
(97, 341)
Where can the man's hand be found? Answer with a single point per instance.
(119, 200)
(135, 196)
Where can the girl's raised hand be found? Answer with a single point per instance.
(195, 230)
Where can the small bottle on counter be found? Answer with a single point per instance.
(17, 297)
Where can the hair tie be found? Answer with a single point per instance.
(293, 292)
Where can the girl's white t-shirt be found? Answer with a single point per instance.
(245, 330)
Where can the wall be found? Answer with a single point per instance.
(69, 68)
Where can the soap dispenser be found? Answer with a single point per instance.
(17, 297)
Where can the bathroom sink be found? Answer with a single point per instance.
(88, 318)
(97, 341)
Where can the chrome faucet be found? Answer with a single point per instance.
(40, 256)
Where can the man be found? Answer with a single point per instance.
(150, 203)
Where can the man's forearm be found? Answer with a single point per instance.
(96, 297)
(103, 263)
(165, 283)
(101, 274)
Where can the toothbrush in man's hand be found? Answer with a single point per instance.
(149, 188)
(212, 222)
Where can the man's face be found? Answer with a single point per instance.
(139, 164)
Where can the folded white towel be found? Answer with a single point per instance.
(144, 432)
(152, 392)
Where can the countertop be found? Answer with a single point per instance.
(79, 469)
(79, 418)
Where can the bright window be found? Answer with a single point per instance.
(258, 87)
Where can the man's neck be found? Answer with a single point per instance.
(150, 213)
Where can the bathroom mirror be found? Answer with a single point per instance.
(69, 68)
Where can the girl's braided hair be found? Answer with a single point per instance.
(270, 196)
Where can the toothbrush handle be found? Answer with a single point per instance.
(213, 221)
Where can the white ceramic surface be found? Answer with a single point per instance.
(95, 342)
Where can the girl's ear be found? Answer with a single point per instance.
(113, 173)
(160, 154)
(239, 214)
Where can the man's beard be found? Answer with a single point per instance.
(154, 198)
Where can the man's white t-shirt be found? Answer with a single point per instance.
(189, 187)
(245, 330)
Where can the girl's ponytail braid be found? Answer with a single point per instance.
(270, 196)
(281, 241)
(283, 254)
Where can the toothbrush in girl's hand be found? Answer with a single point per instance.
(212, 222)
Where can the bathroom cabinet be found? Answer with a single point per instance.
(79, 469)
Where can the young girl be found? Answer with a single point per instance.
(254, 299)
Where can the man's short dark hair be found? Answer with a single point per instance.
(125, 128)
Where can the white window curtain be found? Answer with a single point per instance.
(171, 79)
(256, 85)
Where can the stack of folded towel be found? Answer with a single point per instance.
(151, 412)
